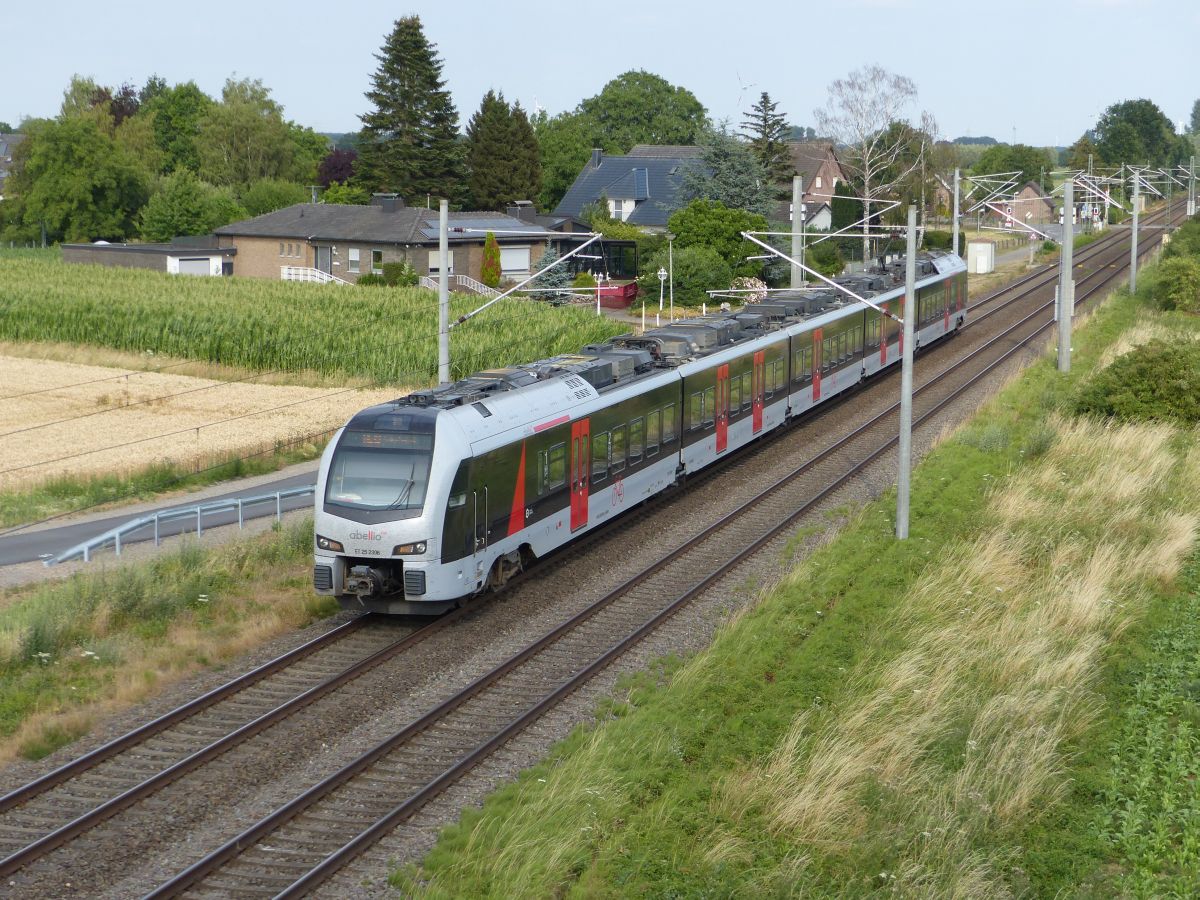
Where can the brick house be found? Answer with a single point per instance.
(1030, 206)
(350, 241)
(822, 173)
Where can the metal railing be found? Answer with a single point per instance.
(305, 273)
(198, 512)
(477, 286)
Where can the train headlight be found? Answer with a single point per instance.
(412, 549)
(325, 543)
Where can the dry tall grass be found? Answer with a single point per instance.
(962, 732)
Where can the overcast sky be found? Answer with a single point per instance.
(980, 69)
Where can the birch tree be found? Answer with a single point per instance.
(857, 114)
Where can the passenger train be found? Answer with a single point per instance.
(450, 491)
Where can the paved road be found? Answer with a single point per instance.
(33, 545)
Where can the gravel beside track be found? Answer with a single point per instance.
(147, 844)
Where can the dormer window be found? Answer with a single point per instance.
(620, 209)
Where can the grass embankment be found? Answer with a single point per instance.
(983, 709)
(74, 650)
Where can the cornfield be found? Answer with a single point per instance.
(385, 334)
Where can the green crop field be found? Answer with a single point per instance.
(386, 335)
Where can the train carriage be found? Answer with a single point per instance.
(449, 491)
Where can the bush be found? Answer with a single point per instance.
(1185, 241)
(1177, 284)
(938, 240)
(399, 274)
(584, 280)
(1157, 381)
(1049, 246)
(697, 269)
(371, 279)
(826, 258)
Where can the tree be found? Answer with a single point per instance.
(5, 128)
(730, 174)
(124, 104)
(1030, 163)
(502, 155)
(564, 143)
(1082, 152)
(709, 223)
(639, 107)
(1135, 131)
(185, 205)
(558, 277)
(177, 113)
(409, 139)
(489, 268)
(346, 194)
(270, 194)
(767, 132)
(244, 138)
(857, 114)
(845, 207)
(338, 165)
(77, 180)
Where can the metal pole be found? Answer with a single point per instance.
(797, 240)
(906, 367)
(444, 292)
(1133, 243)
(671, 272)
(954, 227)
(1066, 285)
(1192, 188)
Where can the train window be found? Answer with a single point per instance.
(669, 428)
(543, 471)
(747, 391)
(709, 410)
(735, 396)
(873, 333)
(856, 336)
(653, 429)
(618, 448)
(637, 434)
(695, 410)
(556, 475)
(827, 352)
(599, 456)
(803, 364)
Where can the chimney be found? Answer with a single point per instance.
(597, 154)
(387, 202)
(523, 210)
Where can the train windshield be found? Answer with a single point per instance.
(380, 471)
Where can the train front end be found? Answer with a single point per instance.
(380, 503)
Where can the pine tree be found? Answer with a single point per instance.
(767, 131)
(409, 140)
(502, 155)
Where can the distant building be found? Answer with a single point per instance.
(183, 256)
(1030, 206)
(8, 143)
(817, 163)
(641, 187)
(348, 241)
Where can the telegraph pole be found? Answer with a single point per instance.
(1134, 242)
(444, 293)
(797, 237)
(1191, 210)
(954, 226)
(1066, 284)
(906, 367)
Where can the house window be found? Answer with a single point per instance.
(435, 265)
(353, 260)
(620, 209)
(281, 248)
(514, 260)
(818, 182)
(377, 262)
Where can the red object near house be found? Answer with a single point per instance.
(618, 296)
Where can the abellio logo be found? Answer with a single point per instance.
(371, 535)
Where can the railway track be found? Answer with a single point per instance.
(422, 759)
(388, 784)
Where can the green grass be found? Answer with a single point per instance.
(638, 805)
(70, 493)
(116, 630)
(386, 335)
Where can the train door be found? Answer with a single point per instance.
(581, 443)
(816, 358)
(481, 518)
(758, 386)
(947, 301)
(883, 334)
(722, 408)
